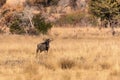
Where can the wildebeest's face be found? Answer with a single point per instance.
(48, 40)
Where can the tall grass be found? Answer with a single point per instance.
(75, 54)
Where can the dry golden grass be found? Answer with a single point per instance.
(75, 54)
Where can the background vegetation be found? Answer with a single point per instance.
(108, 10)
(77, 19)
(40, 24)
(92, 13)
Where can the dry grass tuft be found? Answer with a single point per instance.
(66, 63)
(105, 65)
(115, 73)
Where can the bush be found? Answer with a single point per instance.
(72, 18)
(41, 25)
(15, 27)
(54, 2)
(43, 2)
(66, 63)
(77, 18)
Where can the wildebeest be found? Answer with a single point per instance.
(44, 46)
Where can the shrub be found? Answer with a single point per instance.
(70, 18)
(77, 18)
(54, 2)
(66, 63)
(43, 2)
(40, 24)
(105, 65)
(15, 27)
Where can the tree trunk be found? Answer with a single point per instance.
(100, 23)
(111, 26)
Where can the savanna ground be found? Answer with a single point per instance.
(75, 54)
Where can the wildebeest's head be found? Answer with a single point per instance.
(48, 40)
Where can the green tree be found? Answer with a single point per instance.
(15, 27)
(107, 10)
(40, 24)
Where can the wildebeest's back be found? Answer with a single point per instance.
(41, 46)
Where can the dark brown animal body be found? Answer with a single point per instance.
(43, 46)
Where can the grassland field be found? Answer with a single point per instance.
(75, 54)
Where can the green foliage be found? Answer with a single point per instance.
(41, 25)
(91, 20)
(53, 2)
(70, 18)
(77, 18)
(15, 27)
(43, 2)
(104, 9)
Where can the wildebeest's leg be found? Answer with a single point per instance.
(47, 49)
